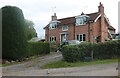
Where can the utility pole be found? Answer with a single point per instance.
(92, 44)
(92, 47)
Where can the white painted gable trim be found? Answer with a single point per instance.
(110, 34)
(97, 18)
(107, 20)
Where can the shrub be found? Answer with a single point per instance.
(37, 48)
(14, 41)
(14, 37)
(107, 50)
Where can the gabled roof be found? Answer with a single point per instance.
(71, 20)
(112, 28)
(93, 17)
(65, 21)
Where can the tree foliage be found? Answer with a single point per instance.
(13, 33)
(30, 30)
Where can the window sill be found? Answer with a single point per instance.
(53, 28)
(80, 24)
(65, 30)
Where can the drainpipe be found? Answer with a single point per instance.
(88, 31)
(74, 32)
(88, 21)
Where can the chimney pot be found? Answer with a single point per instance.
(101, 8)
(54, 17)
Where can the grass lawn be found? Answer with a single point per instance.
(0, 65)
(63, 64)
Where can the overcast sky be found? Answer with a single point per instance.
(40, 11)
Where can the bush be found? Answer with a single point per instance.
(14, 40)
(14, 37)
(73, 53)
(37, 48)
(107, 50)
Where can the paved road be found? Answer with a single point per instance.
(33, 68)
(95, 70)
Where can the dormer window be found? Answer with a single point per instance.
(53, 25)
(81, 20)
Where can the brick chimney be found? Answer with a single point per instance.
(54, 17)
(101, 8)
(103, 29)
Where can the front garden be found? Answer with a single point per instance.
(75, 55)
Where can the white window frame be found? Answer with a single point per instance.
(53, 25)
(79, 37)
(52, 40)
(82, 18)
(64, 29)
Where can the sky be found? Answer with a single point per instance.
(40, 11)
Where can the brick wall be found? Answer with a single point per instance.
(95, 30)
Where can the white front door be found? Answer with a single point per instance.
(63, 37)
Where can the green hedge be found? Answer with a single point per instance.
(14, 40)
(37, 48)
(107, 50)
(14, 37)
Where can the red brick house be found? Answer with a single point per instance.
(85, 27)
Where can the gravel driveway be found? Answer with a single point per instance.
(32, 65)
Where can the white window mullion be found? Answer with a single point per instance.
(82, 37)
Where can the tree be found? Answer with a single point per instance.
(14, 40)
(30, 30)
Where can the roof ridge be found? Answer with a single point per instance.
(66, 18)
(77, 15)
(92, 13)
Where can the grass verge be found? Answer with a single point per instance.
(63, 64)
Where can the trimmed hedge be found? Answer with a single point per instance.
(107, 50)
(15, 45)
(14, 40)
(37, 48)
